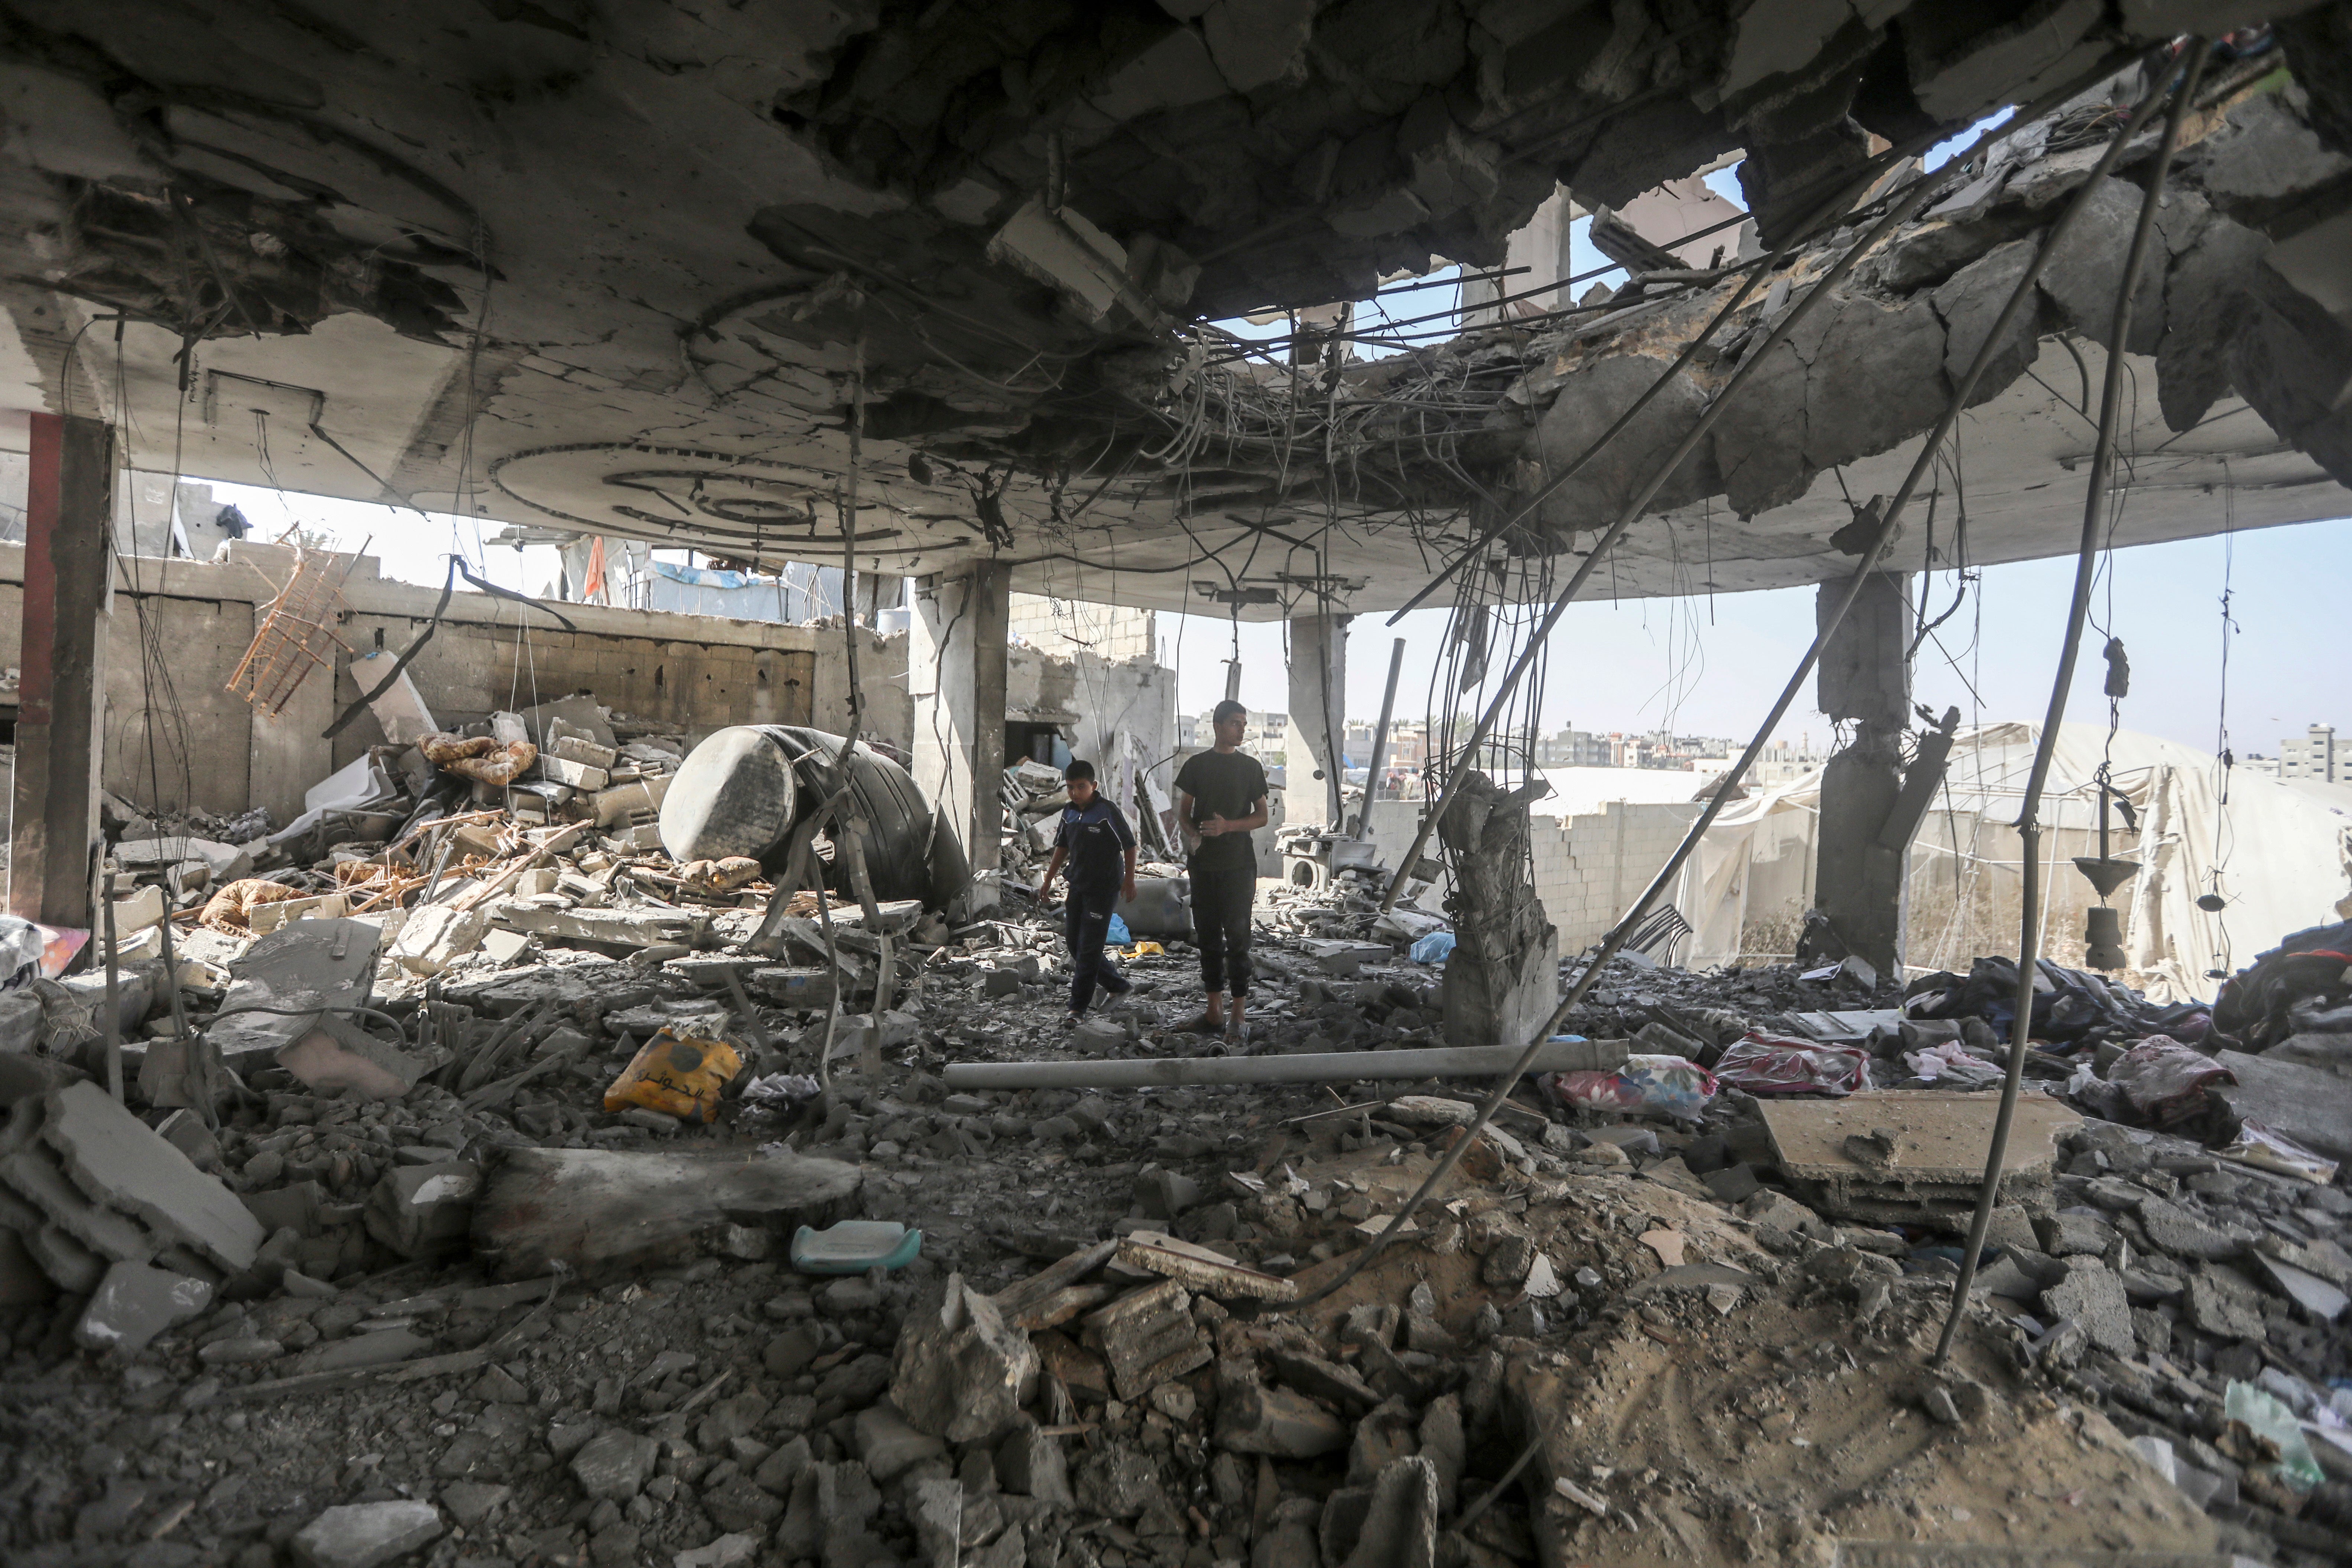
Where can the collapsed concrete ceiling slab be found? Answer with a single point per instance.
(625, 269)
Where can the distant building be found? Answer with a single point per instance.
(2319, 755)
(2255, 763)
(1573, 749)
(1266, 737)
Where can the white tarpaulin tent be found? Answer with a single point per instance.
(2279, 853)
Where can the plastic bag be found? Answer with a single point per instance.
(1774, 1064)
(1435, 948)
(678, 1076)
(2274, 1426)
(30, 950)
(1118, 935)
(1951, 1065)
(2258, 1146)
(2165, 1080)
(1644, 1086)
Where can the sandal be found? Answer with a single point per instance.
(1201, 1024)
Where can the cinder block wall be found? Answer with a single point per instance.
(1590, 868)
(692, 674)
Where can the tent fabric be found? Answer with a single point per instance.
(2279, 852)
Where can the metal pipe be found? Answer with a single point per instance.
(1380, 739)
(1826, 627)
(1321, 1067)
(2029, 826)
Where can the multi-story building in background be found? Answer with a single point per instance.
(1267, 738)
(2319, 756)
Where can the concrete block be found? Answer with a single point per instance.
(438, 935)
(366, 1534)
(268, 918)
(134, 1304)
(117, 1159)
(31, 1177)
(579, 775)
(76, 1268)
(138, 911)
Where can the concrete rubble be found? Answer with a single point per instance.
(571, 1333)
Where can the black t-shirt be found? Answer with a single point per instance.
(1227, 785)
(1095, 841)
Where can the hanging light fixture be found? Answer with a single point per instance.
(2103, 936)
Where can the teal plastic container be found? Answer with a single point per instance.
(854, 1245)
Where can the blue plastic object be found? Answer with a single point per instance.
(1118, 935)
(1435, 948)
(854, 1245)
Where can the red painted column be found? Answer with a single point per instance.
(69, 502)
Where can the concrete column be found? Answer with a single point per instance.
(955, 668)
(1318, 716)
(68, 574)
(1865, 676)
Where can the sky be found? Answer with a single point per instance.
(1714, 670)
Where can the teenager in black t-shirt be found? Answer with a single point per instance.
(1220, 796)
(1097, 845)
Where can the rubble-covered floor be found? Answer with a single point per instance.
(722, 1408)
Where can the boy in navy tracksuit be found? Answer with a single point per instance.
(1098, 845)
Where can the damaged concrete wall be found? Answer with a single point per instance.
(1589, 869)
(1093, 698)
(1052, 623)
(686, 674)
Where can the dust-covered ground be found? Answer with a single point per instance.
(1769, 1406)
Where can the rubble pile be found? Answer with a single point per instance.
(562, 1249)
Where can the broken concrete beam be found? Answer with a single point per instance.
(1210, 1273)
(632, 929)
(960, 1372)
(1565, 1055)
(118, 1160)
(134, 1304)
(598, 1211)
(1145, 1337)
